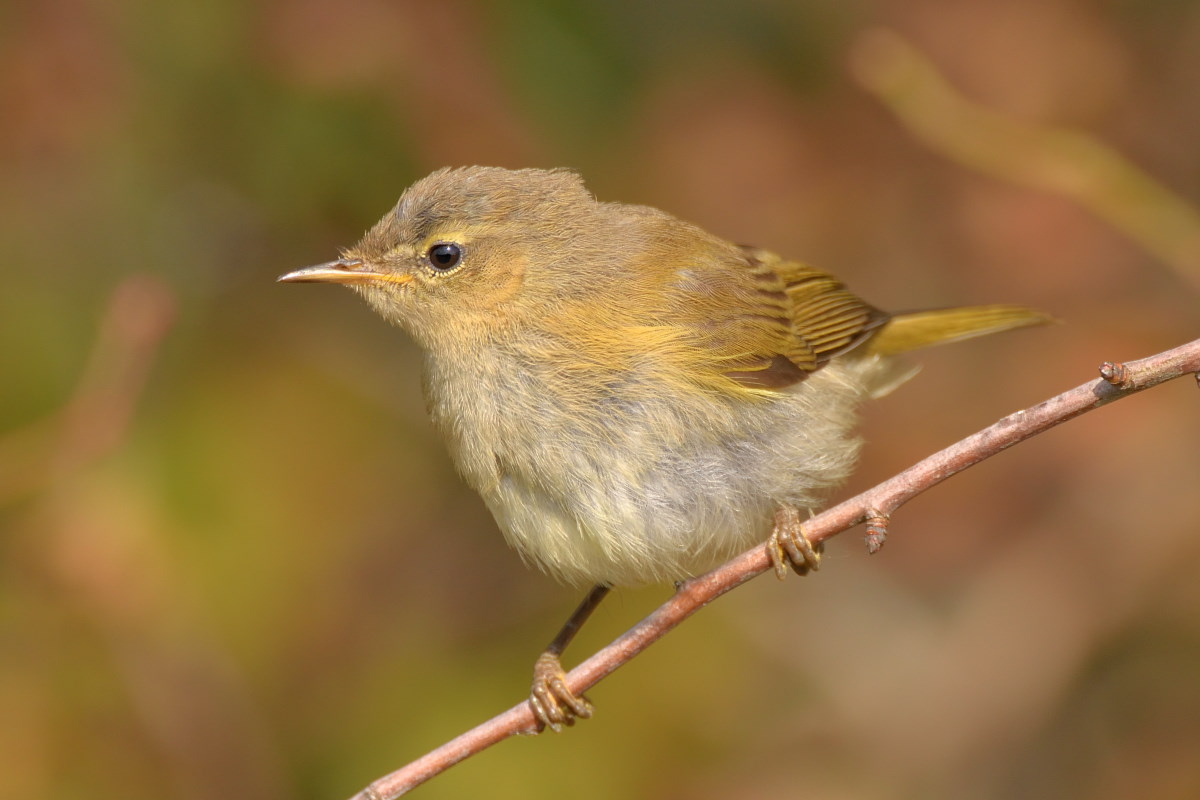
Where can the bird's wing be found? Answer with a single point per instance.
(770, 322)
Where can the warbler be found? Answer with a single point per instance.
(634, 398)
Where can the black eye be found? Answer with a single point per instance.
(444, 256)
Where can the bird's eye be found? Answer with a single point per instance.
(444, 256)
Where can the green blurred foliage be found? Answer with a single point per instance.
(251, 571)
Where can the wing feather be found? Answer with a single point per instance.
(792, 322)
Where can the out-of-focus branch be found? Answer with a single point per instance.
(874, 507)
(94, 420)
(1058, 160)
(102, 547)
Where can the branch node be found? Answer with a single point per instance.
(1117, 374)
(877, 523)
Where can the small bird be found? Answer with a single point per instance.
(634, 398)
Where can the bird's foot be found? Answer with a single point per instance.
(789, 547)
(554, 705)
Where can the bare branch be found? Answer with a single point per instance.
(874, 507)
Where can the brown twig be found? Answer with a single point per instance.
(873, 506)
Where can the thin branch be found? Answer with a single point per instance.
(874, 506)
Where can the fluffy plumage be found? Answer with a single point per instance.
(632, 396)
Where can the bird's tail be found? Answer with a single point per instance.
(918, 329)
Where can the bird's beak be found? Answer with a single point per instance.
(344, 270)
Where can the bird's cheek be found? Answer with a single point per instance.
(501, 281)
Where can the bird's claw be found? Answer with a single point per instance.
(555, 705)
(789, 547)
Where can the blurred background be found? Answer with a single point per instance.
(236, 563)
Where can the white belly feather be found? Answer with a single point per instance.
(655, 490)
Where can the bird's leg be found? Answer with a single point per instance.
(789, 547)
(552, 702)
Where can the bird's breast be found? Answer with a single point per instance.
(626, 480)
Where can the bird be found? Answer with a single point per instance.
(634, 398)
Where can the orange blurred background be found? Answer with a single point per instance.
(236, 563)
